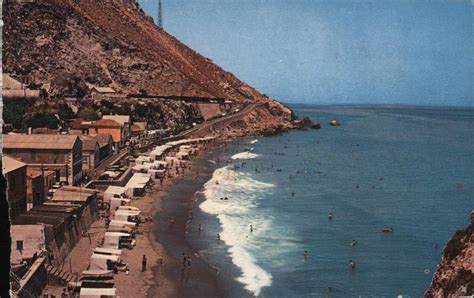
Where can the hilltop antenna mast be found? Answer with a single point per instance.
(160, 15)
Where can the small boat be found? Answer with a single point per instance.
(334, 122)
(387, 230)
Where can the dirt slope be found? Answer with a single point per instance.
(66, 43)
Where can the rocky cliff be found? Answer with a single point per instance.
(62, 46)
(455, 274)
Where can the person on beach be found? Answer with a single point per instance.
(352, 265)
(64, 293)
(305, 255)
(251, 229)
(188, 262)
(143, 263)
(330, 216)
(184, 259)
(171, 223)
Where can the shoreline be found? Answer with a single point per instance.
(177, 199)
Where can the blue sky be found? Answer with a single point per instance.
(334, 51)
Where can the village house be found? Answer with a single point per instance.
(35, 194)
(49, 179)
(105, 93)
(13, 88)
(124, 120)
(15, 174)
(71, 211)
(27, 240)
(138, 130)
(61, 229)
(61, 153)
(28, 259)
(90, 152)
(106, 144)
(111, 127)
(86, 198)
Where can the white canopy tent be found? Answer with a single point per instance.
(97, 292)
(107, 251)
(115, 203)
(128, 208)
(114, 192)
(142, 159)
(112, 239)
(99, 261)
(137, 183)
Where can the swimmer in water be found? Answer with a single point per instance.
(305, 255)
(353, 243)
(330, 216)
(218, 236)
(352, 265)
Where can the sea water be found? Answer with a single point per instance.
(402, 167)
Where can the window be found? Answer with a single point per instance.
(19, 245)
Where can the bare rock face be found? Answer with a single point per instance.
(64, 45)
(455, 274)
(309, 123)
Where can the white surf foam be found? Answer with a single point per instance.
(235, 217)
(254, 141)
(244, 155)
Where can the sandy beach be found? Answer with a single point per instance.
(175, 201)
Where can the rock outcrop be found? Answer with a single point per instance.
(455, 274)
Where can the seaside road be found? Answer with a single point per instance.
(204, 128)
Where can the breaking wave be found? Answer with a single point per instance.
(244, 155)
(235, 216)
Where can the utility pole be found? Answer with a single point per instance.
(160, 15)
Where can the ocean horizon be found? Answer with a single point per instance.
(385, 166)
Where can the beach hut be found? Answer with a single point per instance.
(107, 251)
(103, 262)
(86, 274)
(159, 165)
(122, 226)
(128, 208)
(121, 223)
(114, 192)
(182, 155)
(137, 184)
(118, 240)
(115, 203)
(127, 215)
(142, 159)
(97, 292)
(157, 174)
(159, 152)
(141, 168)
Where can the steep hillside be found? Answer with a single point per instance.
(455, 274)
(62, 44)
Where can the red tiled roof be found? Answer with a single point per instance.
(106, 123)
(136, 128)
